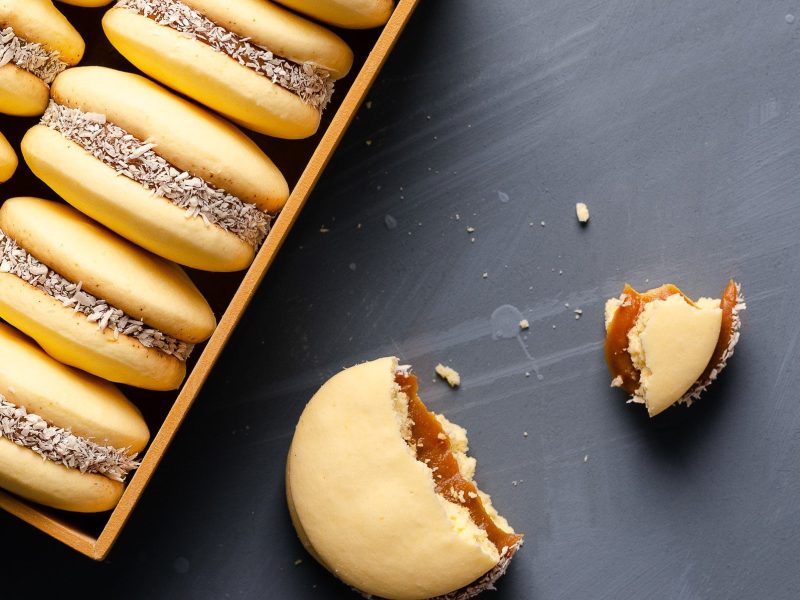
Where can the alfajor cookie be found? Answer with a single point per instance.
(93, 300)
(170, 177)
(261, 66)
(67, 440)
(665, 349)
(36, 44)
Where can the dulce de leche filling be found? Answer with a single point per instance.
(616, 348)
(433, 448)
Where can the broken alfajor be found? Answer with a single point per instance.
(381, 491)
(664, 349)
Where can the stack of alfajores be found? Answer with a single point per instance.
(154, 181)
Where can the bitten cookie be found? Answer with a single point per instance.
(381, 491)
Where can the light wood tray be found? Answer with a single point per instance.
(80, 532)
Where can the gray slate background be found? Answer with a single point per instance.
(678, 123)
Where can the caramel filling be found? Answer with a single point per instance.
(433, 448)
(633, 302)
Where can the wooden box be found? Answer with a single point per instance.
(302, 162)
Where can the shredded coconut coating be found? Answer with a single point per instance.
(30, 56)
(137, 160)
(61, 445)
(17, 261)
(310, 82)
(736, 323)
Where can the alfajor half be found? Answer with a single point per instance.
(262, 66)
(36, 44)
(67, 440)
(381, 491)
(8, 160)
(156, 169)
(351, 14)
(665, 349)
(94, 301)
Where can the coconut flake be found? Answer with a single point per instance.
(137, 160)
(307, 80)
(61, 445)
(29, 56)
(16, 260)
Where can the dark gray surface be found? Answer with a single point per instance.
(679, 126)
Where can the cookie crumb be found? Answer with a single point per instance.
(617, 381)
(582, 212)
(524, 324)
(449, 374)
